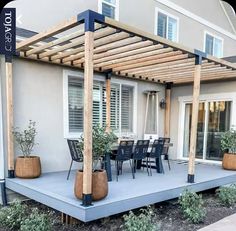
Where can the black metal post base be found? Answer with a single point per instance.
(190, 178)
(87, 200)
(3, 192)
(11, 174)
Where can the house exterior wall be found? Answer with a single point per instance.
(141, 14)
(38, 95)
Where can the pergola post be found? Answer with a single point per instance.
(167, 110)
(108, 102)
(88, 118)
(194, 122)
(9, 98)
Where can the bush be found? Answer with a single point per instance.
(192, 206)
(227, 195)
(36, 222)
(143, 221)
(12, 216)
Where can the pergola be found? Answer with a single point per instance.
(93, 42)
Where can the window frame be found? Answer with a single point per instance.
(116, 6)
(80, 75)
(158, 10)
(214, 37)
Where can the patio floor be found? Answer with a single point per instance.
(53, 190)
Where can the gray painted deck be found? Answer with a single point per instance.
(53, 190)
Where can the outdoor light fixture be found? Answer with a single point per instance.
(163, 104)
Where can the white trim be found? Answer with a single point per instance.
(214, 36)
(116, 6)
(196, 18)
(2, 158)
(168, 15)
(231, 96)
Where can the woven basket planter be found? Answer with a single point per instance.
(99, 185)
(28, 167)
(229, 161)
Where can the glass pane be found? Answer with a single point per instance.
(162, 24)
(209, 44)
(110, 1)
(219, 122)
(108, 10)
(172, 29)
(218, 48)
(200, 130)
(151, 126)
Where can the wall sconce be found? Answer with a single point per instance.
(163, 104)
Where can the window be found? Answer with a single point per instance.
(166, 26)
(109, 8)
(122, 106)
(213, 45)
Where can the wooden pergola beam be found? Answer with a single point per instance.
(167, 110)
(108, 102)
(68, 24)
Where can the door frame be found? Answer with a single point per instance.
(183, 100)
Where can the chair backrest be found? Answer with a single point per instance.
(157, 148)
(75, 152)
(165, 148)
(141, 148)
(125, 150)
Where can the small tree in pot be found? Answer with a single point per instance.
(102, 143)
(27, 166)
(228, 145)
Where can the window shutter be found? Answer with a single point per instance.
(108, 10)
(161, 26)
(172, 29)
(75, 104)
(218, 48)
(97, 104)
(126, 109)
(209, 44)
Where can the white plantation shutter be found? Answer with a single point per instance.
(75, 104)
(126, 108)
(209, 44)
(161, 26)
(218, 51)
(172, 29)
(97, 104)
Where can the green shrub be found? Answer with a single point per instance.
(227, 195)
(143, 221)
(12, 215)
(192, 206)
(36, 222)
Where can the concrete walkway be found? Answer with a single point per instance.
(226, 224)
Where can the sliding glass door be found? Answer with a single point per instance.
(213, 120)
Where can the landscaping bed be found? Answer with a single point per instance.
(167, 214)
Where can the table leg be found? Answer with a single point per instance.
(159, 165)
(108, 166)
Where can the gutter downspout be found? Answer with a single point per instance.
(2, 156)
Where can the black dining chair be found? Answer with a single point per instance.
(75, 152)
(155, 153)
(140, 153)
(166, 150)
(124, 153)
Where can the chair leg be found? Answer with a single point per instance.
(69, 170)
(117, 170)
(150, 167)
(134, 168)
(147, 166)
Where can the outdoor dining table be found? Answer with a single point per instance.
(107, 161)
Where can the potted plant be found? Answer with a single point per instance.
(228, 145)
(27, 166)
(102, 143)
